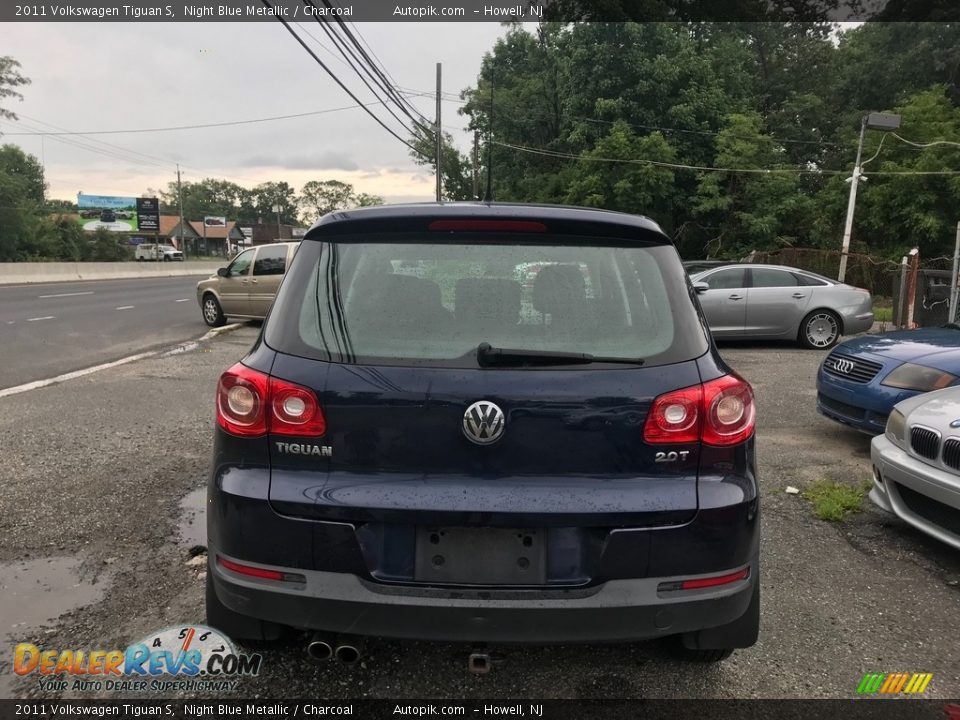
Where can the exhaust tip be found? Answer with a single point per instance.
(348, 654)
(319, 649)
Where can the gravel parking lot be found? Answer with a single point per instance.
(90, 508)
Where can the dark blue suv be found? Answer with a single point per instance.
(486, 422)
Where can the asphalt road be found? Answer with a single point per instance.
(95, 470)
(50, 329)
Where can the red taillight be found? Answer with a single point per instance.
(251, 403)
(487, 226)
(719, 412)
(675, 417)
(241, 401)
(729, 411)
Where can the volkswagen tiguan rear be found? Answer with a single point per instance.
(486, 422)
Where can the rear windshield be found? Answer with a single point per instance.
(411, 302)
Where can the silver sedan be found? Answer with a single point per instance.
(916, 464)
(747, 301)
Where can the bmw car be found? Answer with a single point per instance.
(863, 378)
(460, 455)
(916, 464)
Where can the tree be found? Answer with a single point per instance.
(265, 196)
(10, 78)
(319, 197)
(750, 210)
(456, 168)
(22, 191)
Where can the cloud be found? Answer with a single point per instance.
(327, 160)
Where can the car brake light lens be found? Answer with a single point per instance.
(729, 409)
(295, 410)
(720, 412)
(251, 403)
(705, 582)
(241, 396)
(519, 226)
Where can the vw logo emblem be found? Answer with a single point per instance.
(483, 422)
(844, 366)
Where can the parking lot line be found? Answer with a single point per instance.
(126, 307)
(45, 317)
(182, 300)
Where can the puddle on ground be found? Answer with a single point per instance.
(34, 592)
(193, 519)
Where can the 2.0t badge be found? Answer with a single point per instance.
(483, 422)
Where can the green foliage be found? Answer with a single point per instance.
(835, 501)
(579, 111)
(10, 78)
(317, 198)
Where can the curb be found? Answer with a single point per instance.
(182, 348)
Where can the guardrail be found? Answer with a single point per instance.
(41, 272)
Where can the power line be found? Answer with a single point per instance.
(344, 51)
(679, 166)
(925, 145)
(658, 163)
(339, 82)
(103, 142)
(202, 125)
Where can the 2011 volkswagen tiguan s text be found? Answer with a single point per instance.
(486, 422)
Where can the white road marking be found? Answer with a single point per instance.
(106, 366)
(182, 300)
(88, 292)
(125, 307)
(45, 317)
(75, 374)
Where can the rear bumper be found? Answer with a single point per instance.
(859, 323)
(616, 611)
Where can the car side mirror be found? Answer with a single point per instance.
(700, 287)
(223, 272)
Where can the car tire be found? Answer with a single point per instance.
(234, 625)
(212, 312)
(820, 330)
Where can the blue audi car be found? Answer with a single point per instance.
(482, 422)
(863, 378)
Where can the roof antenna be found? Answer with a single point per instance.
(488, 197)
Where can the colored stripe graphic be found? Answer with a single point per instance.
(894, 683)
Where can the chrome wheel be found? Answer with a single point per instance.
(212, 314)
(821, 330)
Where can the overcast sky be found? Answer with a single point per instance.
(104, 76)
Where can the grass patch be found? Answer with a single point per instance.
(834, 501)
(883, 314)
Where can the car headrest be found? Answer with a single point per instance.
(559, 289)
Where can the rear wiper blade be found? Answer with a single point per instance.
(488, 355)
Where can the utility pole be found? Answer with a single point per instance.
(488, 196)
(954, 289)
(439, 142)
(851, 204)
(872, 121)
(476, 159)
(183, 239)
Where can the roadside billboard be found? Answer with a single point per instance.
(116, 214)
(148, 214)
(214, 221)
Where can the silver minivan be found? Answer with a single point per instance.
(246, 287)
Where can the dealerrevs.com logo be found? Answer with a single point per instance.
(187, 659)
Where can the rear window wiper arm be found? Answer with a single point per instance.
(487, 355)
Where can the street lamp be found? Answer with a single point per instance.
(276, 209)
(873, 121)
